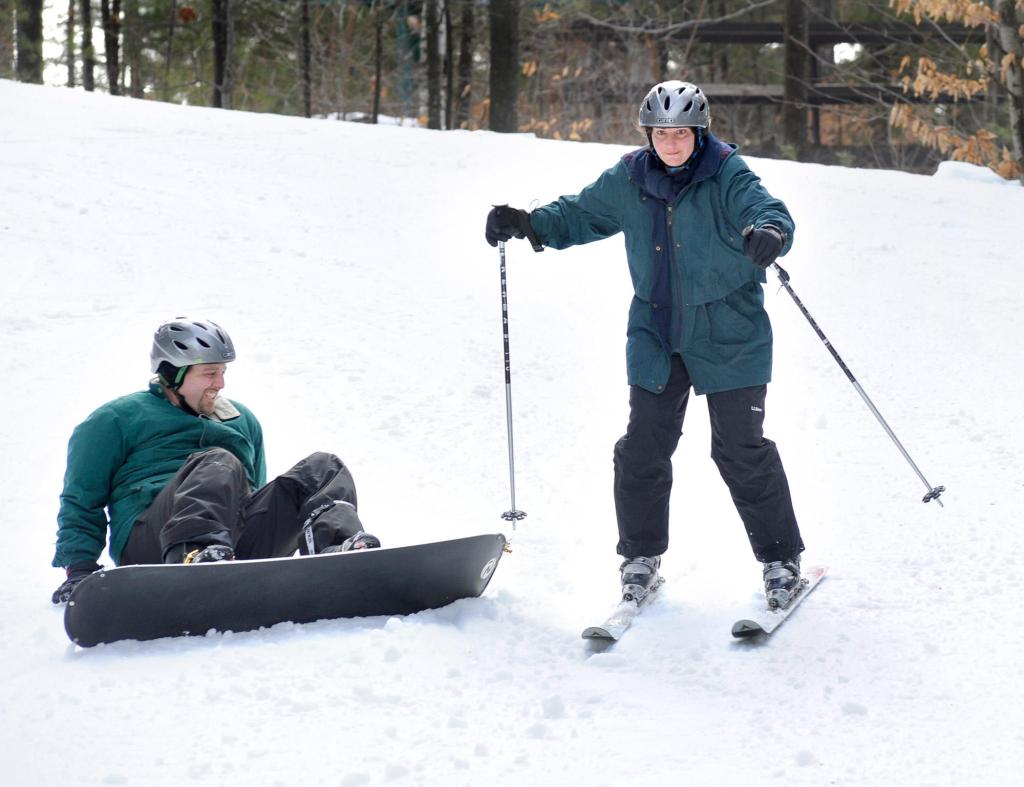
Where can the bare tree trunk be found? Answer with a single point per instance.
(29, 33)
(110, 13)
(720, 59)
(133, 47)
(221, 42)
(349, 19)
(338, 53)
(993, 86)
(449, 63)
(88, 51)
(306, 58)
(172, 24)
(378, 58)
(7, 39)
(659, 59)
(794, 112)
(820, 57)
(504, 81)
(1010, 42)
(432, 42)
(467, 37)
(69, 43)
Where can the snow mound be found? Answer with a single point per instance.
(961, 170)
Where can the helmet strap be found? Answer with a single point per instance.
(171, 376)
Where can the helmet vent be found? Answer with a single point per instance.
(689, 105)
(202, 343)
(180, 345)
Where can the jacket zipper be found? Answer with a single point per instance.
(202, 437)
(675, 276)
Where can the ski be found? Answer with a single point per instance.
(767, 620)
(622, 617)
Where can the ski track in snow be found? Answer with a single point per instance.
(349, 265)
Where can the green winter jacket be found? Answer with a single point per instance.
(126, 451)
(695, 292)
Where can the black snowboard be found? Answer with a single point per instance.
(148, 602)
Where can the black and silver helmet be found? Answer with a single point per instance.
(183, 342)
(675, 104)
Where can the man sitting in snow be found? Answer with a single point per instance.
(181, 472)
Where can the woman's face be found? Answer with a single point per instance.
(673, 145)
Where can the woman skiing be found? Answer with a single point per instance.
(700, 230)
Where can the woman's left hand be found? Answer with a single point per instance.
(763, 245)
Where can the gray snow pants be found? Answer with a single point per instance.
(209, 502)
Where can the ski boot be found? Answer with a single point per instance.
(781, 581)
(191, 553)
(639, 577)
(361, 540)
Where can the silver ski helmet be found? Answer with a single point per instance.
(675, 104)
(184, 342)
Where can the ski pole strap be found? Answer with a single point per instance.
(307, 526)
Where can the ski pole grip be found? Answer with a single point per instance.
(783, 275)
(528, 233)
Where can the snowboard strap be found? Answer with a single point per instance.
(307, 526)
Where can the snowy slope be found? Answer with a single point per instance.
(349, 265)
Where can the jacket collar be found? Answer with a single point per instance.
(223, 409)
(646, 170)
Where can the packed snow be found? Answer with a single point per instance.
(349, 264)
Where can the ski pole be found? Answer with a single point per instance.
(933, 491)
(513, 515)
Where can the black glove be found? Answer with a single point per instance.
(763, 244)
(504, 222)
(76, 574)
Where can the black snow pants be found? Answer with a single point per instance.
(209, 502)
(748, 461)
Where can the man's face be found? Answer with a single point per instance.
(201, 386)
(673, 145)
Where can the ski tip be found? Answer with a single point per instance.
(742, 629)
(596, 632)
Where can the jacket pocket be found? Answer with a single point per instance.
(731, 319)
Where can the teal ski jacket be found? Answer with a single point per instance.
(695, 291)
(126, 451)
